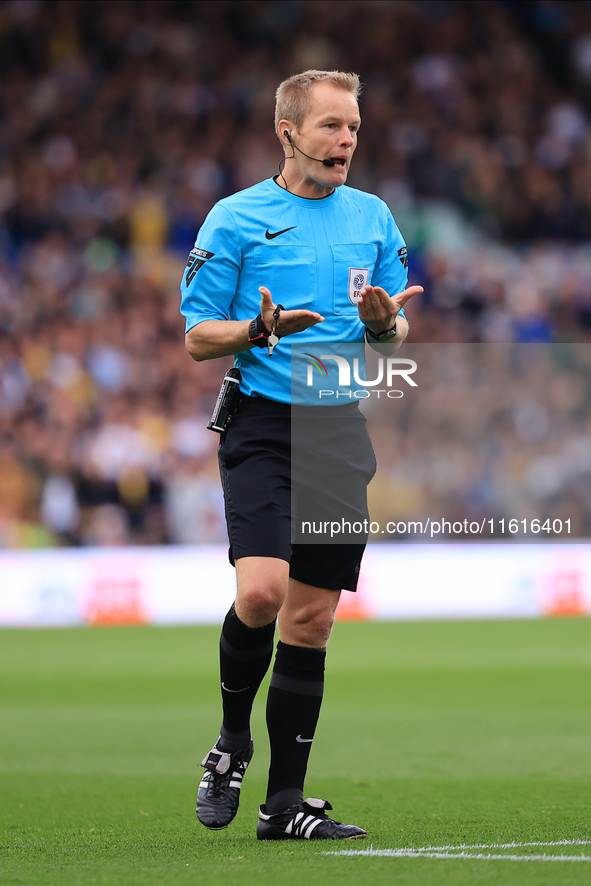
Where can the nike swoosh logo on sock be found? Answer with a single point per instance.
(303, 740)
(225, 688)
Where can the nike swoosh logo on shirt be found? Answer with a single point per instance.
(278, 233)
(303, 740)
(225, 688)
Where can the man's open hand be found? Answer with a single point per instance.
(289, 321)
(378, 310)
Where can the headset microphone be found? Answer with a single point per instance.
(328, 162)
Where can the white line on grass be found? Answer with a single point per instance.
(393, 853)
(458, 851)
(486, 846)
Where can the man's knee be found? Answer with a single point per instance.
(257, 606)
(311, 624)
(262, 586)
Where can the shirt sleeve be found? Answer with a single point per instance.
(391, 271)
(210, 278)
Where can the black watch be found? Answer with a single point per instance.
(378, 336)
(258, 334)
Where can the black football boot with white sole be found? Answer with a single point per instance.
(219, 792)
(305, 821)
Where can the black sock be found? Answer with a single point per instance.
(245, 656)
(293, 706)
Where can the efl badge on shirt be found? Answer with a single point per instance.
(358, 278)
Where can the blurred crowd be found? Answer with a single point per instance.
(123, 121)
(492, 432)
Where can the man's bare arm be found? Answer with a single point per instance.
(217, 338)
(222, 338)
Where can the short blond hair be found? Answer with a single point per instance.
(292, 99)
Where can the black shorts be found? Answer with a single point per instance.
(268, 489)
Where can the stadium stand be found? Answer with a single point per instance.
(122, 123)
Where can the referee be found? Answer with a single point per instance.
(297, 240)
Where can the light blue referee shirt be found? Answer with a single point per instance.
(313, 254)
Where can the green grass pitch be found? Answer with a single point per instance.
(432, 734)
